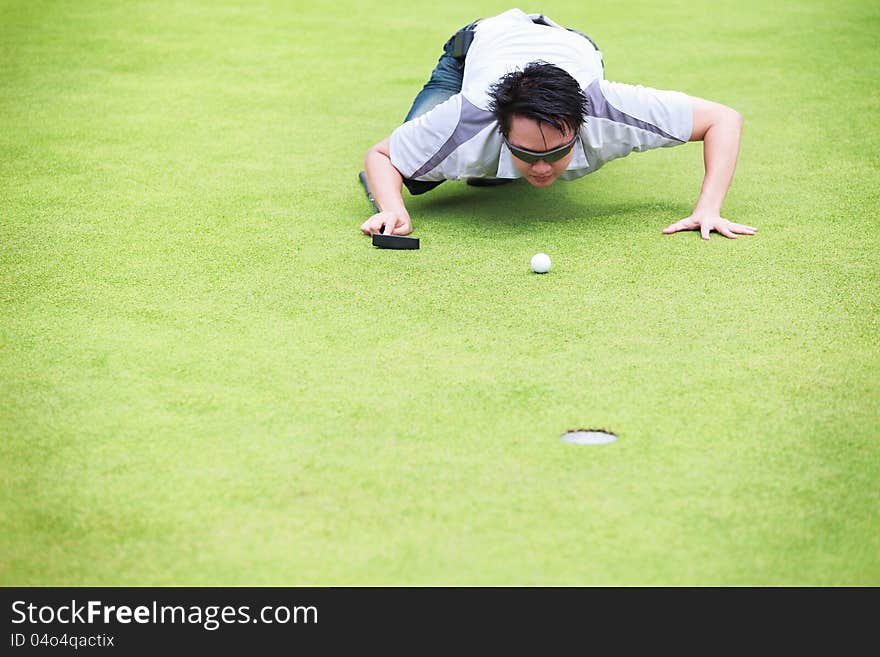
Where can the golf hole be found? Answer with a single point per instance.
(589, 437)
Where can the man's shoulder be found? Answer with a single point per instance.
(453, 140)
(664, 113)
(459, 114)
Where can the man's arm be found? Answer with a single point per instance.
(386, 183)
(719, 128)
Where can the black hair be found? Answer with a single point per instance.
(542, 92)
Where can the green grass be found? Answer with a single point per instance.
(208, 376)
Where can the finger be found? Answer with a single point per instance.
(402, 229)
(375, 225)
(725, 230)
(677, 226)
(704, 231)
(389, 227)
(742, 229)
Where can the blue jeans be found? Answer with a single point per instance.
(445, 82)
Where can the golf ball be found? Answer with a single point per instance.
(540, 263)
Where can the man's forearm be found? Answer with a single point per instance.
(385, 181)
(720, 151)
(719, 128)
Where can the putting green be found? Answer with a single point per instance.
(208, 376)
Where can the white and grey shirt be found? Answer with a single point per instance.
(460, 138)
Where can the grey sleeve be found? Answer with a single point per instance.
(622, 118)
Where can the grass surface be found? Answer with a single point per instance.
(208, 376)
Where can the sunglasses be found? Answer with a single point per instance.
(530, 157)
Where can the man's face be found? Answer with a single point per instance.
(530, 135)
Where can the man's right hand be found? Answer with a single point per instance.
(387, 223)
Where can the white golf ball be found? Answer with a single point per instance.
(540, 263)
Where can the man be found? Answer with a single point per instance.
(518, 96)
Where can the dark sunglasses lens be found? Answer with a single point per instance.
(558, 155)
(553, 156)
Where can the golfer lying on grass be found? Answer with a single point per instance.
(518, 96)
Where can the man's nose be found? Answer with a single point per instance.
(541, 168)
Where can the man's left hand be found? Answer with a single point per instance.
(707, 222)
